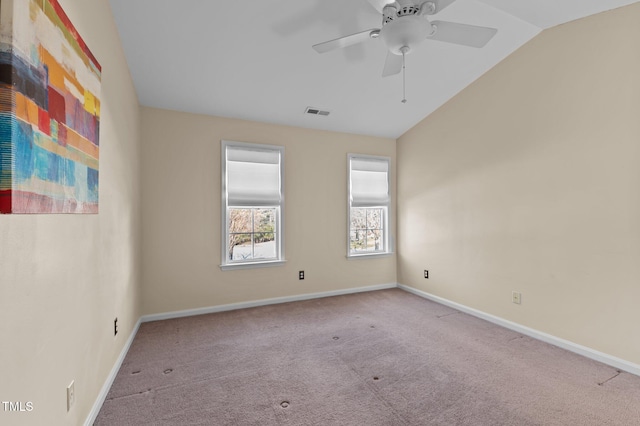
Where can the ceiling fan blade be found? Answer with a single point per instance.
(466, 35)
(380, 4)
(441, 4)
(392, 65)
(343, 41)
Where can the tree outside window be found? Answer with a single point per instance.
(367, 229)
(252, 233)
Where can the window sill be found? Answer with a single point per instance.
(368, 255)
(252, 265)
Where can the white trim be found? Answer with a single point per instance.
(539, 335)
(251, 265)
(262, 302)
(369, 255)
(102, 396)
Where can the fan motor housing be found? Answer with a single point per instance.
(408, 10)
(390, 13)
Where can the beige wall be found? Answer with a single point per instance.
(181, 208)
(64, 278)
(528, 180)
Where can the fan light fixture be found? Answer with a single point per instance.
(406, 32)
(401, 35)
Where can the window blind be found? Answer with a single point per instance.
(369, 182)
(253, 177)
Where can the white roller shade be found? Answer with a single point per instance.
(369, 182)
(253, 177)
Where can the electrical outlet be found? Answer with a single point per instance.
(71, 394)
(516, 297)
(115, 326)
(426, 273)
(301, 275)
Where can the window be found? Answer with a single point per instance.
(369, 202)
(252, 205)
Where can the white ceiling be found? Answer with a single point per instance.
(252, 59)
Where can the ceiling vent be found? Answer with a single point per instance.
(316, 111)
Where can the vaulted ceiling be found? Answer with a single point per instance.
(252, 59)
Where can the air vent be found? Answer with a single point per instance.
(316, 111)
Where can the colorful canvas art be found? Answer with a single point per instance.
(49, 112)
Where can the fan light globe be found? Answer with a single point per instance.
(406, 31)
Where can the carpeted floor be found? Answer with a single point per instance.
(380, 358)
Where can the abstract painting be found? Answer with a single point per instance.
(49, 112)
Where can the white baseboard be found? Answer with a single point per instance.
(97, 405)
(539, 335)
(262, 302)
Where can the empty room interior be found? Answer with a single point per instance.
(317, 212)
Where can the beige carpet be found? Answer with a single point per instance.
(380, 358)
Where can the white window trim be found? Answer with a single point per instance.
(252, 265)
(360, 256)
(225, 265)
(388, 238)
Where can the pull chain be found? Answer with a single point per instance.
(404, 79)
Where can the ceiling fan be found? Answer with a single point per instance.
(405, 25)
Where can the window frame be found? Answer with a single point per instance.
(386, 207)
(226, 264)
